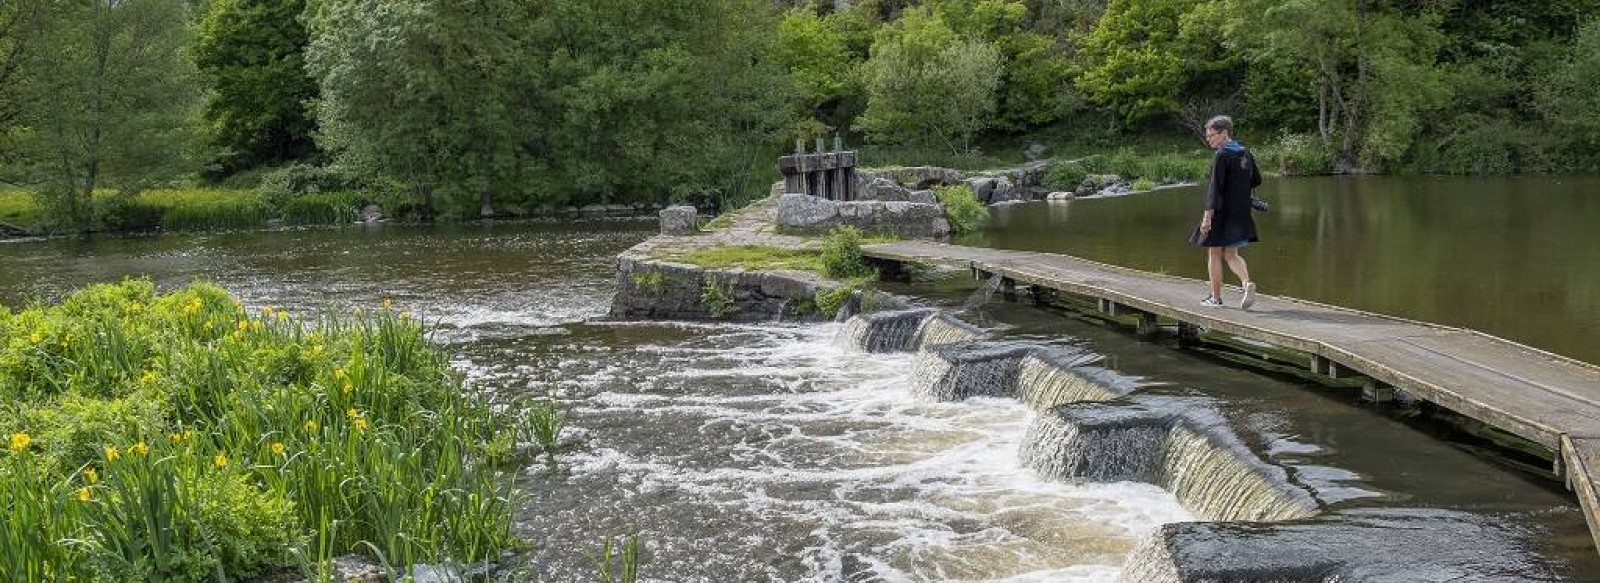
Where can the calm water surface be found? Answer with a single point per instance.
(771, 453)
(1514, 257)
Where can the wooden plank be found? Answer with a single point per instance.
(1581, 455)
(1516, 388)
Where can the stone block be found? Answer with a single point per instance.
(679, 220)
(799, 211)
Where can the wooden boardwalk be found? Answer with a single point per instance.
(1542, 397)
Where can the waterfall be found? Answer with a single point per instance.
(955, 372)
(1184, 448)
(943, 329)
(1224, 481)
(1053, 376)
(895, 331)
(904, 331)
(1152, 561)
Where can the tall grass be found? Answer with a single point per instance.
(177, 437)
(322, 209)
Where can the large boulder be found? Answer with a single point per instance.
(679, 220)
(1005, 191)
(982, 187)
(881, 188)
(805, 212)
(904, 219)
(925, 197)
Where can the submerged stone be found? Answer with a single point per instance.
(1381, 545)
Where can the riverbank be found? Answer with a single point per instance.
(230, 209)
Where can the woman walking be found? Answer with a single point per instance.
(1227, 227)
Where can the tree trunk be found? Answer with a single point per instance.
(485, 198)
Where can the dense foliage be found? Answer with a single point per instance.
(177, 438)
(503, 108)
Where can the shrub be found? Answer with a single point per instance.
(281, 185)
(830, 301)
(1170, 168)
(1065, 176)
(1300, 155)
(962, 208)
(1125, 163)
(841, 255)
(124, 214)
(177, 437)
(717, 299)
(1143, 184)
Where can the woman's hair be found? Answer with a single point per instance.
(1221, 123)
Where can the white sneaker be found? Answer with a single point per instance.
(1211, 302)
(1249, 298)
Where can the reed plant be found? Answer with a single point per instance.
(322, 209)
(177, 437)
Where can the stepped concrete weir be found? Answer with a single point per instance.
(1176, 443)
(905, 330)
(1386, 545)
(1039, 375)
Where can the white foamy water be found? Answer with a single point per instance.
(770, 453)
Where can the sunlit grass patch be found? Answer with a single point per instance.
(754, 257)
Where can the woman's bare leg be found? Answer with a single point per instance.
(1214, 269)
(1236, 263)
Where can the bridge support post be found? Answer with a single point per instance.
(1008, 289)
(1378, 392)
(1148, 325)
(1043, 296)
(1188, 335)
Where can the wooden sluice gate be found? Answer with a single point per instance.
(1546, 399)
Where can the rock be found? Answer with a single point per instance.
(924, 196)
(1104, 185)
(1061, 196)
(1004, 191)
(679, 220)
(902, 218)
(446, 573)
(1366, 544)
(982, 187)
(923, 177)
(880, 188)
(1035, 151)
(371, 213)
(800, 211)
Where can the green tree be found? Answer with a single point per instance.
(1568, 95)
(19, 23)
(1135, 60)
(1374, 67)
(251, 54)
(1036, 83)
(926, 86)
(110, 103)
(419, 92)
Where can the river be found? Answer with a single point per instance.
(771, 452)
(1516, 257)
